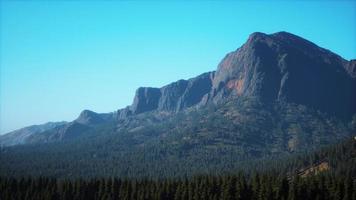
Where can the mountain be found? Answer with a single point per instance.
(88, 117)
(20, 136)
(276, 67)
(285, 67)
(278, 94)
(173, 97)
(85, 122)
(279, 67)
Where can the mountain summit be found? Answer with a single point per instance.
(274, 67)
(285, 67)
(276, 95)
(89, 117)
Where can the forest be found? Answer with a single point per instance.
(336, 181)
(258, 186)
(236, 136)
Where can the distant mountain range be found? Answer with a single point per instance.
(278, 93)
(21, 136)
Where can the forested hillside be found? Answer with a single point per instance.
(337, 182)
(216, 139)
(275, 96)
(267, 124)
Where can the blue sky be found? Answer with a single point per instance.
(58, 58)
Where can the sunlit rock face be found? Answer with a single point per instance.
(269, 67)
(173, 97)
(272, 68)
(285, 67)
(89, 117)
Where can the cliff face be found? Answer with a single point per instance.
(173, 97)
(89, 117)
(285, 67)
(272, 68)
(275, 67)
(351, 68)
(146, 99)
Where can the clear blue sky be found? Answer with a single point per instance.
(58, 58)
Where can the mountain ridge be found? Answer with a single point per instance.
(275, 96)
(271, 67)
(20, 136)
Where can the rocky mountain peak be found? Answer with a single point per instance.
(271, 67)
(89, 117)
(283, 66)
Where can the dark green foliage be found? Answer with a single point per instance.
(271, 182)
(237, 135)
(201, 187)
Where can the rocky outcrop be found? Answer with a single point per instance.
(123, 113)
(285, 67)
(275, 67)
(88, 117)
(351, 68)
(146, 99)
(173, 97)
(279, 67)
(196, 90)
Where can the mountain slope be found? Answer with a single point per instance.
(276, 95)
(85, 122)
(276, 67)
(326, 174)
(214, 139)
(21, 136)
(285, 67)
(279, 67)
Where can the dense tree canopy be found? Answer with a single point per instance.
(217, 139)
(266, 182)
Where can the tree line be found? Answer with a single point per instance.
(231, 187)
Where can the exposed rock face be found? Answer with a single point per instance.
(197, 89)
(173, 97)
(285, 67)
(275, 67)
(351, 68)
(123, 113)
(279, 67)
(89, 117)
(248, 71)
(146, 99)
(71, 130)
